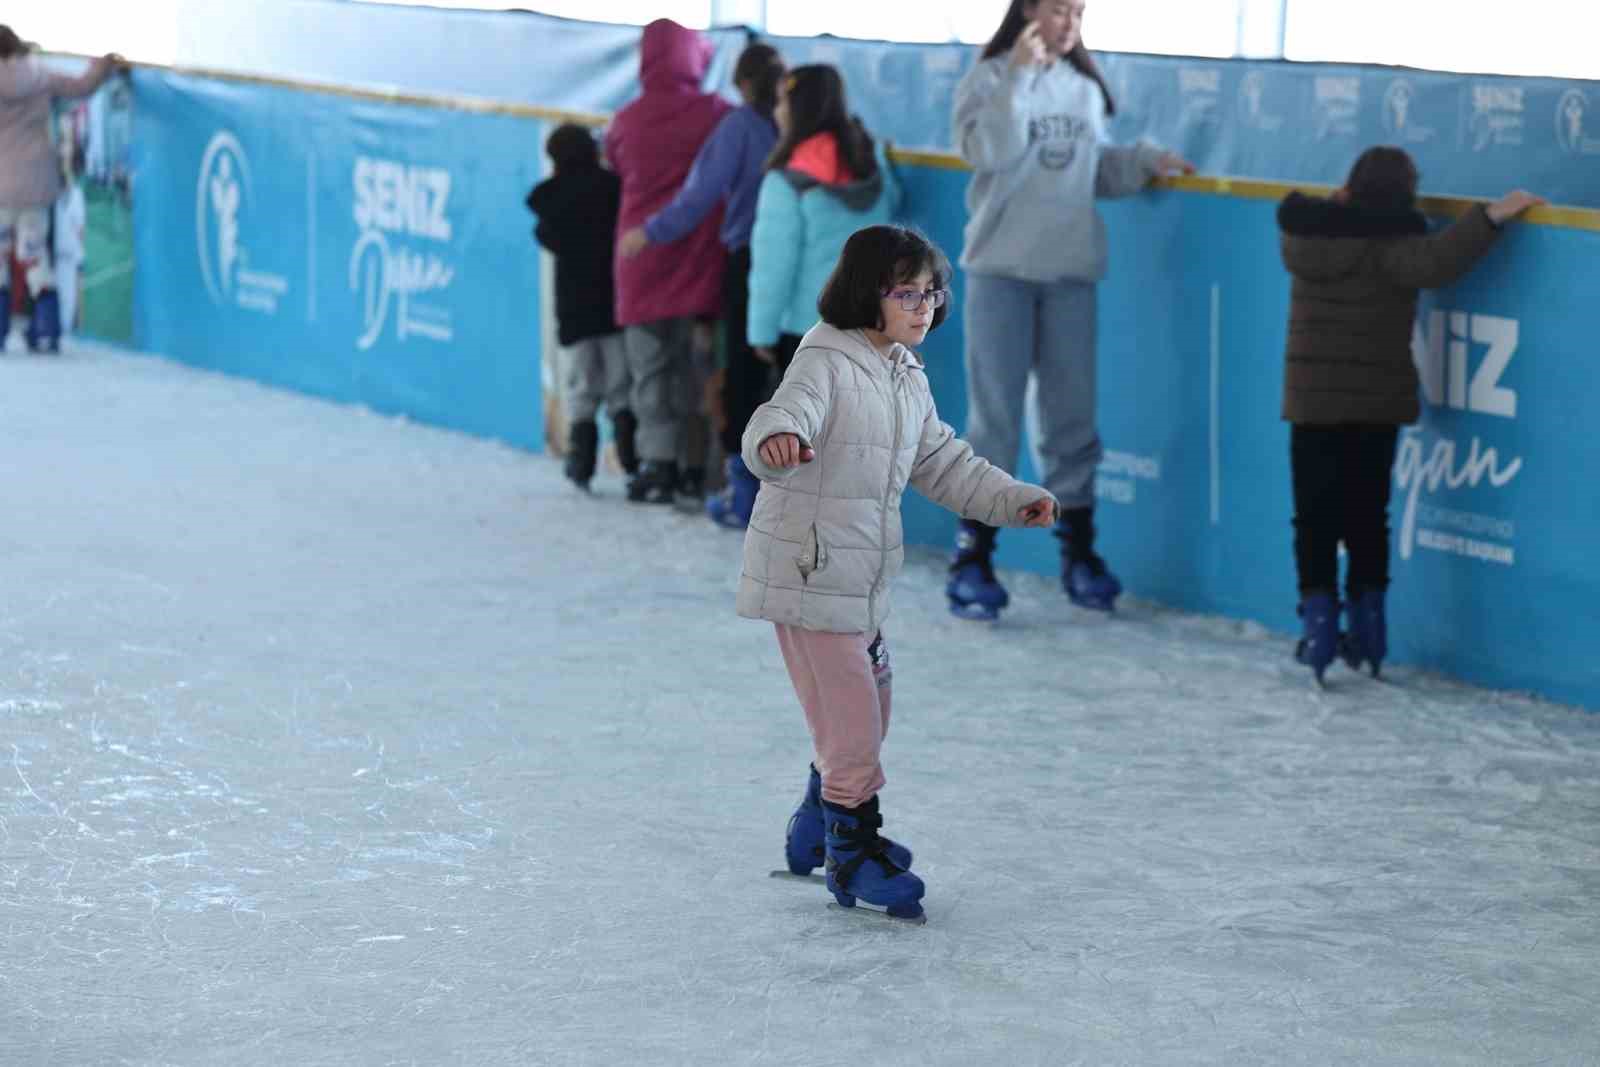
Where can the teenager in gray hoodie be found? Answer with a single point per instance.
(1030, 118)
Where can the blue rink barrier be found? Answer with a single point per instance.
(378, 251)
(371, 253)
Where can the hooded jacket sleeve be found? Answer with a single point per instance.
(1439, 258)
(1124, 170)
(711, 180)
(799, 407)
(947, 472)
(991, 116)
(775, 246)
(27, 79)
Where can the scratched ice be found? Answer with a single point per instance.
(326, 738)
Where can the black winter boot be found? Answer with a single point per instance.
(583, 441)
(656, 483)
(626, 425)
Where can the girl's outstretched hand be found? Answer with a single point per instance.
(783, 450)
(1041, 512)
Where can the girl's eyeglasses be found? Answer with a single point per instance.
(911, 299)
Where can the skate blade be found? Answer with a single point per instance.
(790, 876)
(864, 910)
(974, 612)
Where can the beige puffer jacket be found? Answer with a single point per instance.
(824, 541)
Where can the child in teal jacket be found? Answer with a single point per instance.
(826, 179)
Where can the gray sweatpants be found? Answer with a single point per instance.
(1014, 328)
(659, 358)
(597, 373)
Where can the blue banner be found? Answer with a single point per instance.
(1289, 122)
(367, 253)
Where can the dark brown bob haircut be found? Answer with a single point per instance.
(874, 261)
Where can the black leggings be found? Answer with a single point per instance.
(1341, 493)
(747, 382)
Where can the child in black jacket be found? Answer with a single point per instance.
(577, 211)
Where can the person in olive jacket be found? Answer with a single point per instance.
(1357, 260)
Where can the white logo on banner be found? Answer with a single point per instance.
(394, 202)
(1496, 115)
(1399, 114)
(1253, 103)
(1338, 104)
(1200, 94)
(1441, 353)
(1118, 476)
(1571, 111)
(222, 196)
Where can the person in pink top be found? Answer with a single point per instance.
(662, 290)
(30, 179)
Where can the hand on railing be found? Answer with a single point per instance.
(1512, 205)
(1171, 163)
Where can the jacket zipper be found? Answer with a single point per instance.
(896, 378)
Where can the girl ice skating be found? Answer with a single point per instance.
(850, 427)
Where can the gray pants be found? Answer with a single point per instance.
(597, 373)
(1015, 328)
(660, 359)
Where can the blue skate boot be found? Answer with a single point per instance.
(1319, 614)
(974, 591)
(859, 866)
(5, 312)
(44, 326)
(1085, 578)
(1367, 639)
(731, 508)
(804, 841)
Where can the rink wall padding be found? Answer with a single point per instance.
(373, 253)
(379, 252)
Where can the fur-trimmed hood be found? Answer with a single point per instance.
(1325, 239)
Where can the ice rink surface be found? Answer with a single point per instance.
(327, 738)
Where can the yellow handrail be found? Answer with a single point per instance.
(1576, 218)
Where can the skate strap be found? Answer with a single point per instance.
(870, 847)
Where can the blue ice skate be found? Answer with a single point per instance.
(1089, 584)
(731, 508)
(5, 316)
(804, 844)
(44, 326)
(1319, 614)
(1367, 639)
(859, 866)
(974, 591)
(1085, 578)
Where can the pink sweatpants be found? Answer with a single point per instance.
(842, 681)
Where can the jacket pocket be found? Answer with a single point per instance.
(813, 555)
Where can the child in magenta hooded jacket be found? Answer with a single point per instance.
(651, 144)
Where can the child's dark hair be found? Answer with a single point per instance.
(572, 147)
(11, 46)
(816, 98)
(1383, 179)
(874, 261)
(762, 68)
